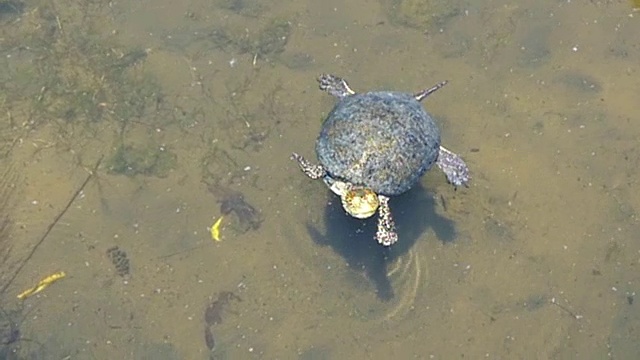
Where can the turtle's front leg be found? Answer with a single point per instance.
(311, 170)
(386, 234)
(453, 166)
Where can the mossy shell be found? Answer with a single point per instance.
(382, 140)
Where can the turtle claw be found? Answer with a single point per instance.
(453, 167)
(311, 170)
(334, 85)
(386, 234)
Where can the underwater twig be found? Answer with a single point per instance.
(52, 225)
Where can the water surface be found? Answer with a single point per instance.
(196, 105)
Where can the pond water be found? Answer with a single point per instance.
(130, 128)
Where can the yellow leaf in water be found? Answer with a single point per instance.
(215, 229)
(42, 285)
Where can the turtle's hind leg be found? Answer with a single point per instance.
(386, 234)
(426, 92)
(311, 170)
(453, 166)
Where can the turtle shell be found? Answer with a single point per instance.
(382, 140)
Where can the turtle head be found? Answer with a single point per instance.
(360, 202)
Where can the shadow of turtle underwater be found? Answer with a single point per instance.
(351, 238)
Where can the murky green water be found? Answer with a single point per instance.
(190, 111)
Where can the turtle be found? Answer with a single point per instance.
(375, 145)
